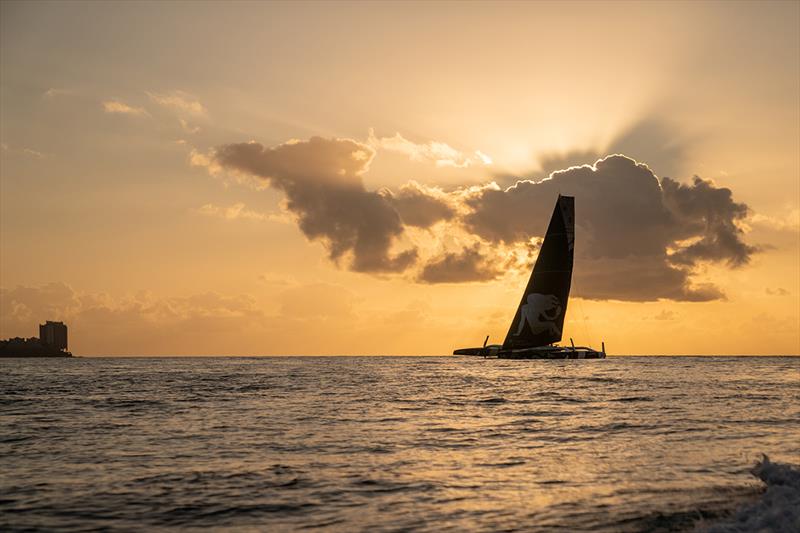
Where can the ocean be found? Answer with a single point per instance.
(400, 444)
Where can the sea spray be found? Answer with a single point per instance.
(778, 509)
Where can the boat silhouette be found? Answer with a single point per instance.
(539, 320)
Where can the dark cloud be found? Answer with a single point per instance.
(638, 279)
(627, 225)
(638, 238)
(322, 182)
(469, 264)
(420, 206)
(612, 200)
(708, 212)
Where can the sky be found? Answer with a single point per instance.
(375, 178)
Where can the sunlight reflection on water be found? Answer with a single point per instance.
(389, 443)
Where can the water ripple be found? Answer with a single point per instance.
(343, 444)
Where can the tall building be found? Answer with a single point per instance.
(53, 334)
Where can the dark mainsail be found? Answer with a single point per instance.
(540, 316)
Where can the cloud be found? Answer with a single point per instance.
(468, 264)
(611, 197)
(789, 222)
(638, 279)
(441, 154)
(199, 159)
(709, 215)
(665, 314)
(35, 153)
(273, 280)
(324, 189)
(53, 93)
(59, 301)
(117, 107)
(28, 152)
(419, 205)
(134, 324)
(239, 211)
(179, 101)
(26, 305)
(187, 128)
(638, 238)
(779, 291)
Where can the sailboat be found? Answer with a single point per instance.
(539, 319)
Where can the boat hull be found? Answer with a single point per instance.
(586, 353)
(544, 352)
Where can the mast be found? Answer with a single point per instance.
(539, 319)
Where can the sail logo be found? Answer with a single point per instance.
(540, 312)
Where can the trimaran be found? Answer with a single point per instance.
(539, 319)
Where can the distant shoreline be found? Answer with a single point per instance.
(51, 356)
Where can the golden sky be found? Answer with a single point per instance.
(366, 178)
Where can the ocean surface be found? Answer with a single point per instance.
(398, 444)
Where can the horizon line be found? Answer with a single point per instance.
(145, 356)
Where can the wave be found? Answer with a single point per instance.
(778, 509)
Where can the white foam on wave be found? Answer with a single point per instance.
(778, 509)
